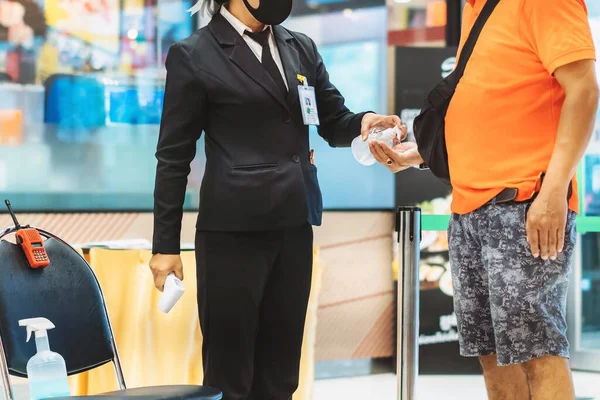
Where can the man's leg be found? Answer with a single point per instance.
(472, 306)
(550, 378)
(528, 299)
(282, 317)
(504, 383)
(232, 271)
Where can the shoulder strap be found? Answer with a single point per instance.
(467, 50)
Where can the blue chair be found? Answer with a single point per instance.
(68, 294)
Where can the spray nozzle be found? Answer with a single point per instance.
(38, 325)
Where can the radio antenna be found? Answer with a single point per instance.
(12, 214)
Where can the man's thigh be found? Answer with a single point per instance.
(470, 286)
(528, 295)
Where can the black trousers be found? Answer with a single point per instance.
(253, 290)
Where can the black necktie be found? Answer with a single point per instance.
(268, 62)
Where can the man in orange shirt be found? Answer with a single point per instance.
(518, 125)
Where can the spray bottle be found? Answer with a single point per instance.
(46, 370)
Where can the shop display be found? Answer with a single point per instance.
(438, 333)
(92, 21)
(356, 71)
(303, 7)
(588, 286)
(418, 70)
(101, 74)
(21, 113)
(174, 24)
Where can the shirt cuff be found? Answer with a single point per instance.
(170, 247)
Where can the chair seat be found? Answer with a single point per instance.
(179, 392)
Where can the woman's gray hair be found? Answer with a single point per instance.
(210, 7)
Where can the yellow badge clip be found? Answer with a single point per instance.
(302, 79)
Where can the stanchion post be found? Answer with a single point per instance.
(408, 226)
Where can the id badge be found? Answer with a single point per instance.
(308, 102)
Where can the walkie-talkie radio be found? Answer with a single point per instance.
(30, 241)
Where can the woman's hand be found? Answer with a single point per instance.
(162, 265)
(402, 156)
(371, 120)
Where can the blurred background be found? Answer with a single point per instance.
(81, 90)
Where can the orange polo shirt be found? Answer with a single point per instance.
(502, 122)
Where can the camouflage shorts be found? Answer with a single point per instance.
(507, 302)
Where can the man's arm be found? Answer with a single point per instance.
(339, 126)
(547, 217)
(576, 123)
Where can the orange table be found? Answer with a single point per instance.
(157, 348)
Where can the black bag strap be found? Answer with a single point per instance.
(467, 50)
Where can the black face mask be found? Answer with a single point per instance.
(271, 12)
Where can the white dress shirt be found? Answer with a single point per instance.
(254, 46)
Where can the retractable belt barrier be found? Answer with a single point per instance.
(408, 226)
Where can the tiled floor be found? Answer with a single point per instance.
(383, 387)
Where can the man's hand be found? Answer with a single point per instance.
(402, 156)
(371, 120)
(162, 265)
(546, 222)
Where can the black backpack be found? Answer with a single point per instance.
(429, 126)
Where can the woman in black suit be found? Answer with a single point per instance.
(238, 81)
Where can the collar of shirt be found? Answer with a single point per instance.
(236, 23)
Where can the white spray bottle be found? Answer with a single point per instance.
(46, 370)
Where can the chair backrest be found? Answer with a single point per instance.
(67, 293)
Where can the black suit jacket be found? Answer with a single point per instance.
(258, 175)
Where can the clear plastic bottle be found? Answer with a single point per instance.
(46, 370)
(360, 148)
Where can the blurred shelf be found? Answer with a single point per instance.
(440, 223)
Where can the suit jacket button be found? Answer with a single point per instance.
(296, 159)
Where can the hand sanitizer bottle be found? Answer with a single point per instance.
(46, 370)
(360, 148)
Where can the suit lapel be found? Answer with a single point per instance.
(244, 58)
(291, 62)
